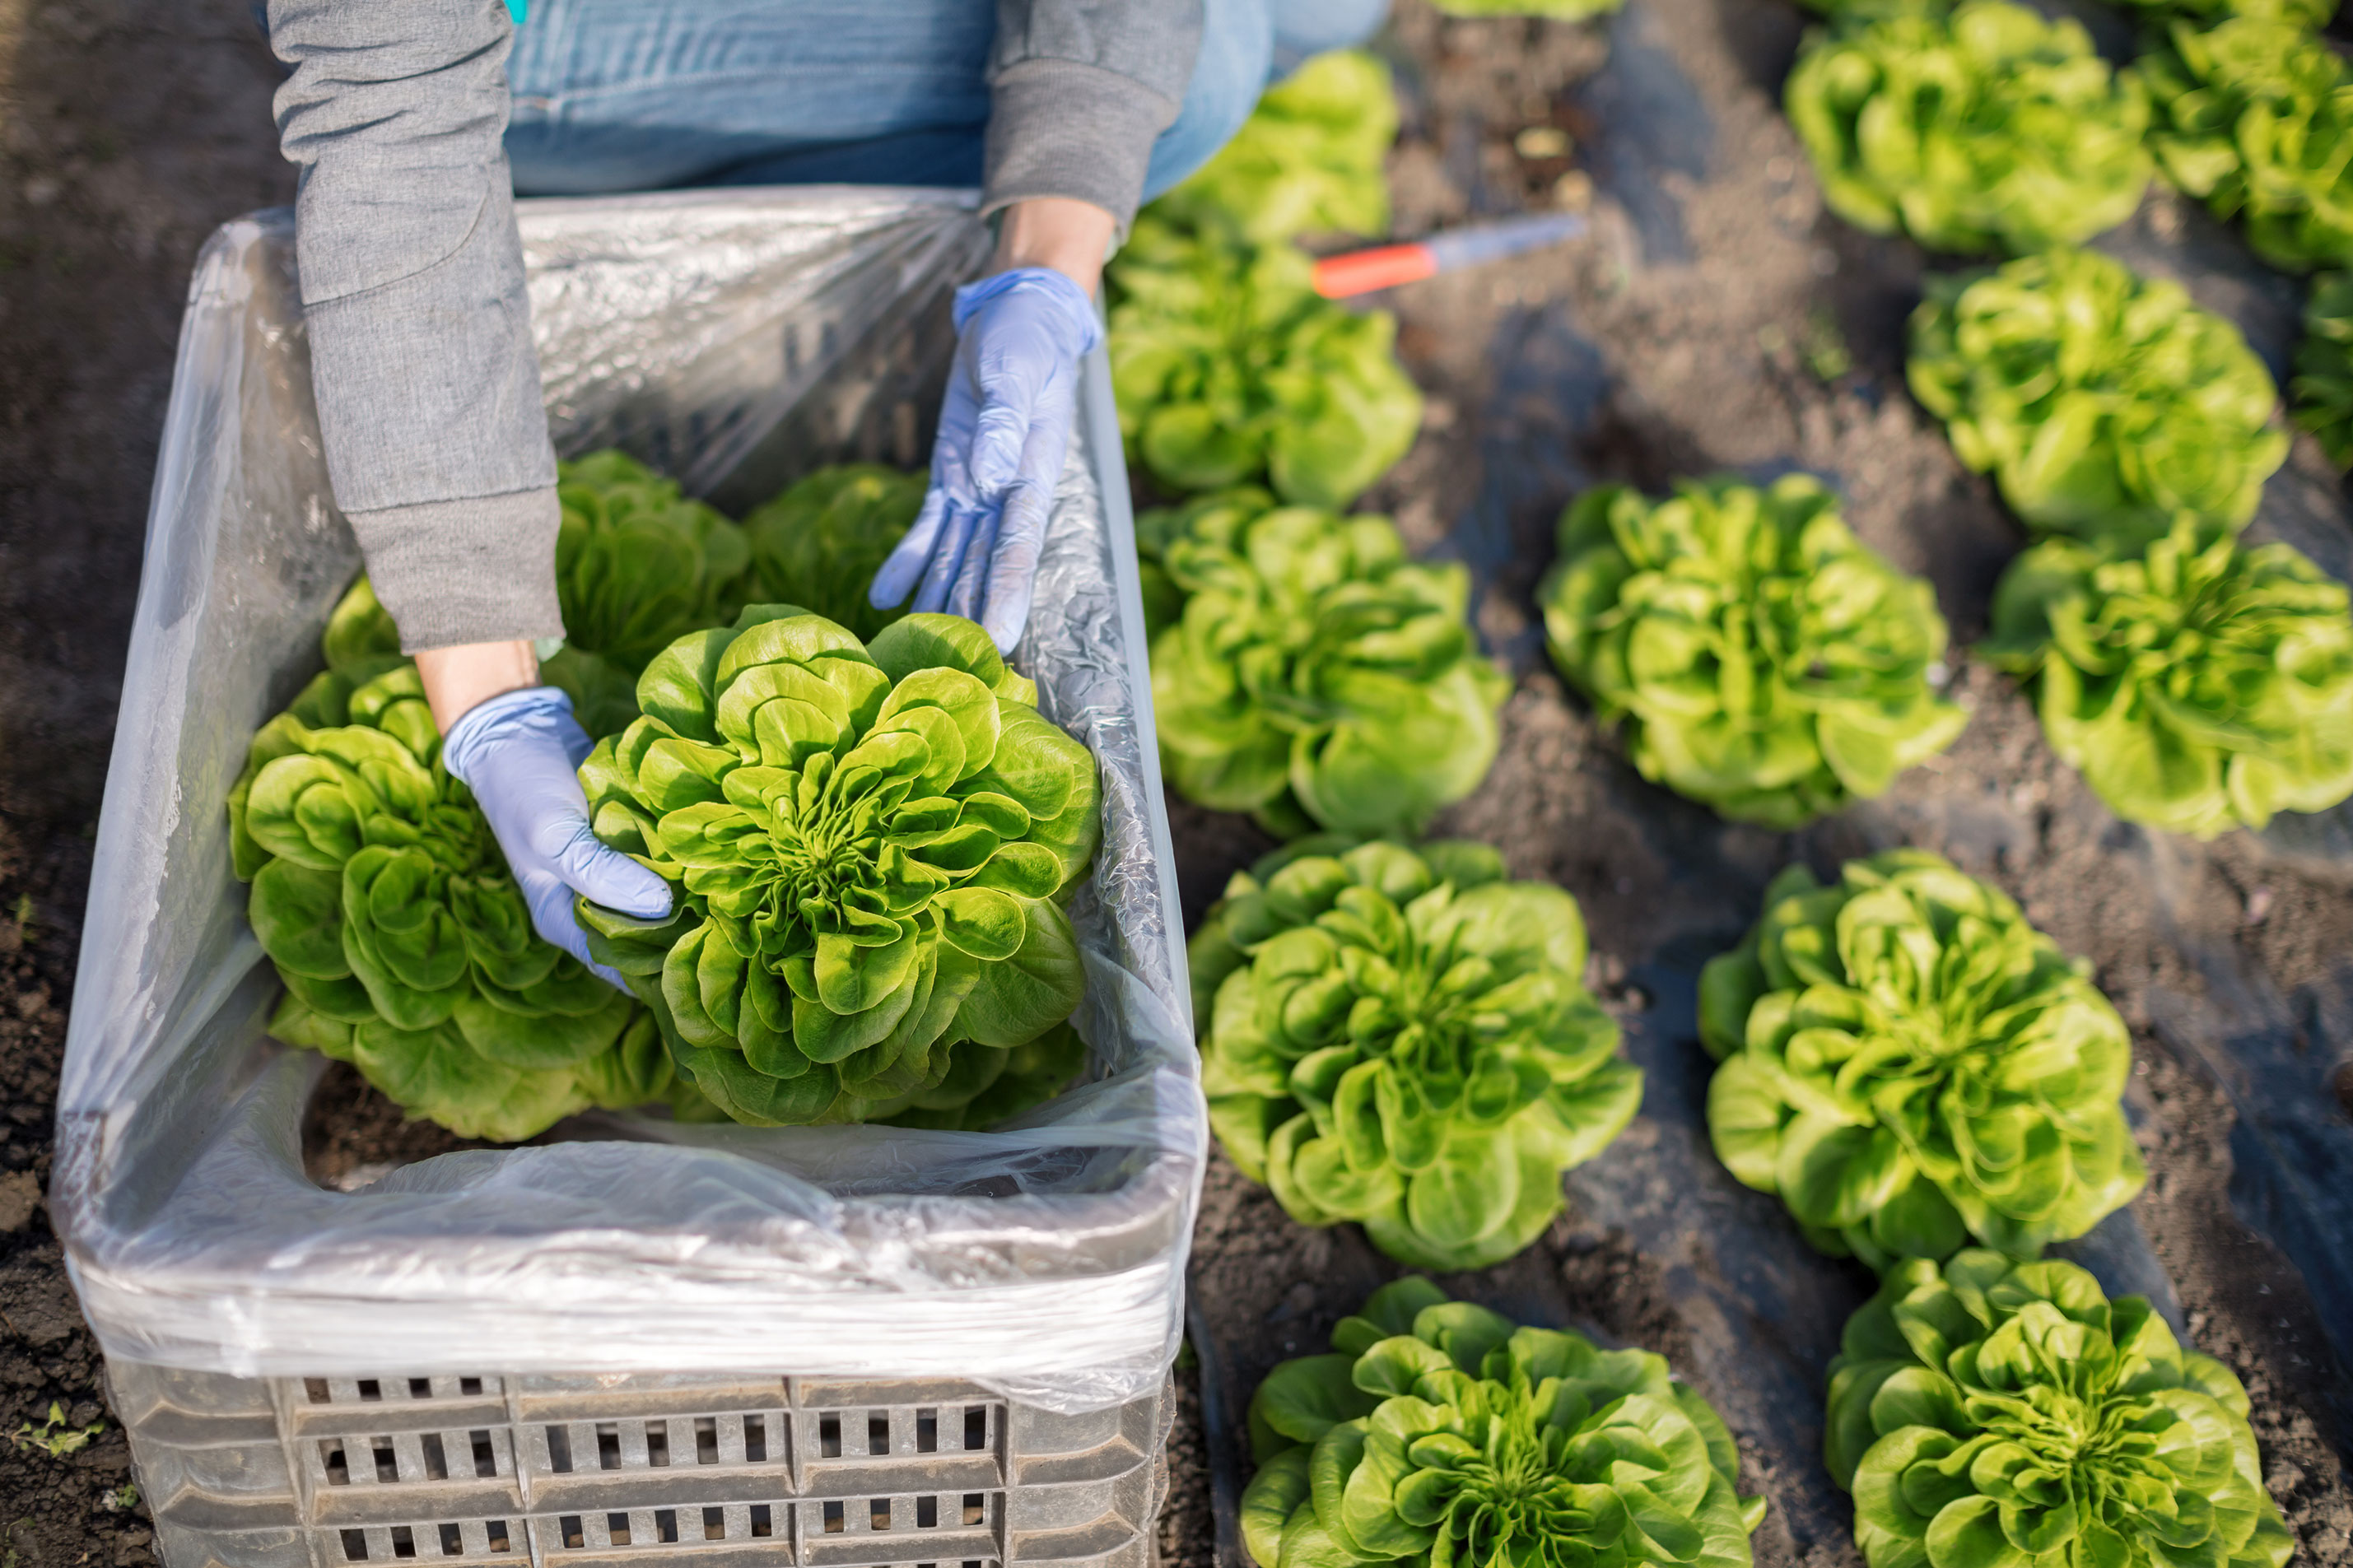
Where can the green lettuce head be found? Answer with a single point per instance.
(635, 565)
(2254, 117)
(1404, 1039)
(1908, 1063)
(1992, 1414)
(2199, 685)
(1309, 160)
(1314, 674)
(1438, 1433)
(405, 947)
(819, 544)
(1984, 129)
(2102, 402)
(1228, 368)
(2323, 387)
(868, 845)
(1765, 661)
(2296, 13)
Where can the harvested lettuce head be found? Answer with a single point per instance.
(869, 848)
(1231, 368)
(2102, 402)
(1403, 1038)
(1438, 1433)
(1908, 1063)
(1763, 660)
(2254, 117)
(1309, 160)
(1984, 129)
(1996, 1412)
(2323, 387)
(406, 948)
(637, 565)
(819, 544)
(2199, 685)
(1314, 675)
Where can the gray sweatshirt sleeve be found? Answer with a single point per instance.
(412, 283)
(1078, 90)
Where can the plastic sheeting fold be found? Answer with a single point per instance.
(735, 339)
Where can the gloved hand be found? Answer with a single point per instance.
(1004, 429)
(521, 752)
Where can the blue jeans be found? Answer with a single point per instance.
(634, 95)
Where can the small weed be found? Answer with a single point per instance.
(25, 917)
(55, 1436)
(123, 1497)
(1825, 348)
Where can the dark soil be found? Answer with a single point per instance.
(1715, 319)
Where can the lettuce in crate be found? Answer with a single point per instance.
(1229, 368)
(1764, 661)
(1402, 1037)
(1994, 1413)
(1309, 160)
(1908, 1063)
(1305, 670)
(819, 544)
(2254, 118)
(2102, 402)
(1438, 1432)
(2198, 684)
(1987, 128)
(869, 845)
(405, 945)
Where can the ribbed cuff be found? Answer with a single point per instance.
(1057, 128)
(454, 572)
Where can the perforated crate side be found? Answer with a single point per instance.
(328, 1473)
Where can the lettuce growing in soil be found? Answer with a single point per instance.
(406, 948)
(869, 847)
(2254, 117)
(1309, 160)
(1438, 1432)
(1229, 368)
(819, 544)
(2323, 387)
(2296, 13)
(1403, 1038)
(1305, 670)
(1984, 129)
(2102, 403)
(1764, 661)
(1908, 1063)
(2199, 685)
(1990, 1413)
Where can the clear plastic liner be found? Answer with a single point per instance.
(735, 339)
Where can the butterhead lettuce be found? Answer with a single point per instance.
(1309, 160)
(868, 845)
(1909, 1063)
(1403, 1038)
(819, 544)
(1763, 660)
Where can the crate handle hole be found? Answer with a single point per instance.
(355, 1546)
(762, 1522)
(469, 1385)
(666, 1525)
(420, 1388)
(568, 1527)
(714, 1524)
(927, 1513)
(878, 1515)
(833, 1519)
(976, 1509)
(617, 1529)
(496, 1533)
(453, 1542)
(404, 1541)
(371, 1389)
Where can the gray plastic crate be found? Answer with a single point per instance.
(826, 1473)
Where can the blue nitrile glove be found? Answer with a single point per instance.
(1004, 429)
(521, 752)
